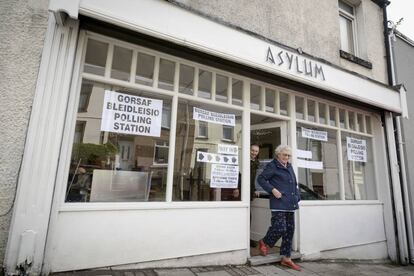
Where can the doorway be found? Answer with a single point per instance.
(267, 136)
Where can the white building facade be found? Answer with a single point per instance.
(137, 150)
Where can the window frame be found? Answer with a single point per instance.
(352, 18)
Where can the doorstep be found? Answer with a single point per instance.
(270, 258)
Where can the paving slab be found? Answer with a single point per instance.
(174, 272)
(214, 273)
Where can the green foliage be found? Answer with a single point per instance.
(92, 153)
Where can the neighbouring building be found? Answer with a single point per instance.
(128, 126)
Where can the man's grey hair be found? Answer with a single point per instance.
(283, 148)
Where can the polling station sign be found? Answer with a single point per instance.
(214, 117)
(315, 134)
(356, 149)
(129, 114)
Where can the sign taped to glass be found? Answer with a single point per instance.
(356, 149)
(213, 117)
(224, 176)
(315, 134)
(129, 114)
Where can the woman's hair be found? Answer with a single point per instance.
(282, 148)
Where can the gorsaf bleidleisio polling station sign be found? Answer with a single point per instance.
(129, 114)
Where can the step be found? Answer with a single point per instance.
(271, 258)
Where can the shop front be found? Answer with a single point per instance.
(151, 150)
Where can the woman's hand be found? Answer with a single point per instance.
(276, 193)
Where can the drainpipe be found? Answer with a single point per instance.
(403, 233)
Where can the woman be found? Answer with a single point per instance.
(279, 180)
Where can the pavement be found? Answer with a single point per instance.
(322, 268)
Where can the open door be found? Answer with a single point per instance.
(268, 136)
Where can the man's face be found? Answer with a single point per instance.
(254, 151)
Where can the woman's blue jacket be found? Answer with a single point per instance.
(275, 175)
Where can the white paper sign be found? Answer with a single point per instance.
(228, 149)
(315, 134)
(129, 114)
(303, 154)
(217, 158)
(224, 176)
(356, 149)
(214, 117)
(316, 165)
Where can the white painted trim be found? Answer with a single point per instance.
(40, 160)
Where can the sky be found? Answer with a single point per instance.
(405, 9)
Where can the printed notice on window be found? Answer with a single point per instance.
(206, 157)
(224, 176)
(315, 134)
(227, 149)
(129, 114)
(214, 117)
(356, 149)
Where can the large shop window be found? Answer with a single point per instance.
(317, 163)
(207, 156)
(359, 176)
(120, 146)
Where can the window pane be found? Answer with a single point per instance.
(85, 94)
(299, 107)
(204, 84)
(166, 75)
(342, 118)
(311, 111)
(351, 118)
(345, 7)
(237, 92)
(121, 63)
(360, 122)
(270, 100)
(319, 184)
(145, 69)
(222, 83)
(368, 124)
(197, 159)
(255, 96)
(95, 58)
(332, 116)
(359, 177)
(347, 37)
(322, 113)
(186, 79)
(202, 129)
(284, 103)
(114, 166)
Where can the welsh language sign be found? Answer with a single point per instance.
(227, 149)
(129, 114)
(315, 134)
(214, 117)
(224, 176)
(356, 149)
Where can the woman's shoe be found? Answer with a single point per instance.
(290, 264)
(262, 248)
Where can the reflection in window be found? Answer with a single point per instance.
(166, 74)
(95, 58)
(311, 111)
(299, 107)
(221, 88)
(192, 178)
(351, 118)
(360, 123)
(145, 69)
(359, 176)
(332, 115)
(284, 103)
(85, 94)
(237, 92)
(228, 133)
(322, 113)
(116, 167)
(202, 129)
(270, 100)
(255, 96)
(204, 84)
(316, 183)
(186, 79)
(121, 63)
(368, 124)
(342, 118)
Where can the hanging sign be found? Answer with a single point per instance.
(356, 149)
(214, 117)
(224, 176)
(228, 149)
(315, 134)
(206, 157)
(129, 114)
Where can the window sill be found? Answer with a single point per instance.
(355, 59)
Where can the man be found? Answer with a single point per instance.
(254, 165)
